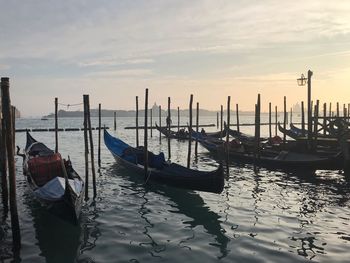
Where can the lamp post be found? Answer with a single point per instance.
(301, 82)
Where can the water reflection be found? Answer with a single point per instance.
(59, 240)
(186, 202)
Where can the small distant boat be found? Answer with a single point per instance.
(163, 172)
(44, 119)
(53, 180)
(180, 135)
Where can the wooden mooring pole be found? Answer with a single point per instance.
(178, 119)
(190, 133)
(303, 118)
(86, 144)
(56, 125)
(316, 123)
(324, 118)
(228, 126)
(221, 118)
(237, 117)
(197, 123)
(151, 121)
(257, 128)
(99, 136)
(276, 119)
(270, 132)
(92, 156)
(169, 124)
(137, 121)
(217, 120)
(3, 161)
(146, 136)
(337, 109)
(160, 124)
(284, 118)
(6, 101)
(115, 121)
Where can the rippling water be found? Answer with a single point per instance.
(261, 216)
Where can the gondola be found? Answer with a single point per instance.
(180, 135)
(278, 160)
(53, 180)
(164, 172)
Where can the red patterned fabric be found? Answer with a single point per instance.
(45, 168)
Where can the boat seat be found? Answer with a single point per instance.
(44, 168)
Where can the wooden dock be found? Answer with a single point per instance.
(59, 129)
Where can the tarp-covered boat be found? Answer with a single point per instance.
(53, 180)
(281, 160)
(163, 172)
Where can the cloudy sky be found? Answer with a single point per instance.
(113, 50)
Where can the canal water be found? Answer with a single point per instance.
(261, 216)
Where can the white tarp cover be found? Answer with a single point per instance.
(54, 189)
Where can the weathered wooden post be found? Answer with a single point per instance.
(324, 118)
(197, 123)
(160, 124)
(115, 121)
(56, 125)
(303, 118)
(276, 119)
(190, 133)
(348, 110)
(13, 116)
(92, 156)
(151, 127)
(3, 159)
(344, 111)
(217, 120)
(284, 118)
(316, 123)
(6, 101)
(291, 115)
(178, 119)
(137, 121)
(330, 109)
(146, 137)
(221, 119)
(228, 126)
(257, 128)
(237, 117)
(86, 143)
(169, 125)
(270, 132)
(99, 135)
(337, 109)
(309, 108)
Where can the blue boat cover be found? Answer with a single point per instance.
(131, 154)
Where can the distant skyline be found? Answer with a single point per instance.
(113, 50)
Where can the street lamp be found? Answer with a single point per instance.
(302, 82)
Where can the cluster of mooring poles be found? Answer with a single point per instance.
(7, 164)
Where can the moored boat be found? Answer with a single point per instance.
(164, 172)
(53, 180)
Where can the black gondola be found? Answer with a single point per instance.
(279, 160)
(53, 180)
(162, 171)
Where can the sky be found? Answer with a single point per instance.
(113, 50)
